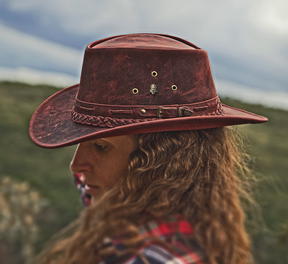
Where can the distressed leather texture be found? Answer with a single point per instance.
(112, 69)
(110, 74)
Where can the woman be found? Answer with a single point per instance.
(165, 173)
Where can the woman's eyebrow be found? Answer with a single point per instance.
(103, 141)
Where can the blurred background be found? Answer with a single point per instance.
(41, 50)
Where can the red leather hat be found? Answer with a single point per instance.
(132, 84)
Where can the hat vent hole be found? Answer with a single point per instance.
(135, 91)
(174, 87)
(154, 73)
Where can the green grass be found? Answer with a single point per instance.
(268, 144)
(47, 171)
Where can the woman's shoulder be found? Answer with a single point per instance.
(166, 241)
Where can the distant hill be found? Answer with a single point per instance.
(47, 170)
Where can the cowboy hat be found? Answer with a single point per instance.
(133, 84)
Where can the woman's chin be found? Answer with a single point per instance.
(95, 191)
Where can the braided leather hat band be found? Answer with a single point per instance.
(208, 108)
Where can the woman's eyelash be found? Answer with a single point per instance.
(100, 147)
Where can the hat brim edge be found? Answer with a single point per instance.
(233, 116)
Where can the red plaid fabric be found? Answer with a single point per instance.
(175, 231)
(85, 197)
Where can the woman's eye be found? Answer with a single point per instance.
(100, 147)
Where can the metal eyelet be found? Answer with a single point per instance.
(135, 90)
(143, 111)
(154, 73)
(174, 87)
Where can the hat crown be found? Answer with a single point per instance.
(123, 70)
(143, 41)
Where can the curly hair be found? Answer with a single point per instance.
(201, 175)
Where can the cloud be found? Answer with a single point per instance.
(246, 40)
(20, 49)
(247, 94)
(32, 76)
(273, 17)
(206, 18)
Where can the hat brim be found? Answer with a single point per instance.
(51, 125)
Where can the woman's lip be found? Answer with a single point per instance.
(89, 187)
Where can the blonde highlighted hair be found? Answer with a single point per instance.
(201, 175)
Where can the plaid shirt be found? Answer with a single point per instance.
(85, 197)
(175, 231)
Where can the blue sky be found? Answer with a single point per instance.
(247, 41)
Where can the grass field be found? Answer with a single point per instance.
(47, 171)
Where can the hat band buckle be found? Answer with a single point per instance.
(103, 115)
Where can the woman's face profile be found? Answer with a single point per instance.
(101, 161)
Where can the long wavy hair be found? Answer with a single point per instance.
(201, 175)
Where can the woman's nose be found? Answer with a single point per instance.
(80, 162)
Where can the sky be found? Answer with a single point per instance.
(247, 41)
